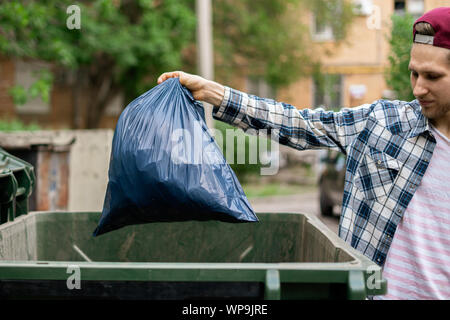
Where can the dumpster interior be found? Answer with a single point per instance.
(37, 250)
(67, 236)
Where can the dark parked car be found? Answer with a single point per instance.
(331, 181)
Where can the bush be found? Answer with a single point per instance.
(242, 170)
(398, 75)
(17, 125)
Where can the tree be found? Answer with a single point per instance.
(123, 45)
(271, 38)
(397, 75)
(120, 46)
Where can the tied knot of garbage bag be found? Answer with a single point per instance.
(165, 165)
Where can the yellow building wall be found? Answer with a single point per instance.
(361, 58)
(300, 94)
(430, 4)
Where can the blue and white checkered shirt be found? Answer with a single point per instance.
(388, 146)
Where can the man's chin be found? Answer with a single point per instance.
(428, 112)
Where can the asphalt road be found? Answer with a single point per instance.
(302, 203)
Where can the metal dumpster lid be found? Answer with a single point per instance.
(56, 140)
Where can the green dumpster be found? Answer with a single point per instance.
(8, 190)
(17, 180)
(284, 256)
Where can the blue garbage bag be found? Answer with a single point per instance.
(165, 165)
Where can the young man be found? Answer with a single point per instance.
(396, 204)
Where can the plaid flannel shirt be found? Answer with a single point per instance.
(388, 146)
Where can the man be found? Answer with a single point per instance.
(396, 204)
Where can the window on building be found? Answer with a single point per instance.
(399, 6)
(414, 7)
(321, 31)
(363, 7)
(258, 86)
(25, 76)
(328, 91)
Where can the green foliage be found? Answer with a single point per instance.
(124, 45)
(127, 39)
(242, 170)
(398, 75)
(40, 88)
(19, 95)
(327, 85)
(17, 125)
(266, 37)
(337, 14)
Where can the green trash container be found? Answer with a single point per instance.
(17, 175)
(8, 190)
(284, 256)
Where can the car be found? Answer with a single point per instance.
(331, 181)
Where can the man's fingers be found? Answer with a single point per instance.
(168, 75)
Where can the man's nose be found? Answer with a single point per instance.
(420, 88)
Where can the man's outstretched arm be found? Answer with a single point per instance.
(300, 129)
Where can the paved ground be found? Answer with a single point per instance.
(304, 203)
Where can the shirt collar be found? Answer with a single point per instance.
(422, 124)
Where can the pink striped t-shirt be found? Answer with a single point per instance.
(418, 262)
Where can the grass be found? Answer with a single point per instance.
(253, 190)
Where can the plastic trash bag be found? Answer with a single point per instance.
(165, 165)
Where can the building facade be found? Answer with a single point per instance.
(353, 71)
(355, 68)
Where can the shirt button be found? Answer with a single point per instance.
(379, 162)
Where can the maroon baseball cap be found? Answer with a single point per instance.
(439, 19)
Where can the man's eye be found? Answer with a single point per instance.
(432, 76)
(414, 74)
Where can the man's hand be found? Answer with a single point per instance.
(202, 89)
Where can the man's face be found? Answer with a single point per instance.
(430, 80)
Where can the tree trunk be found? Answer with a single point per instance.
(99, 100)
(77, 120)
(101, 92)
